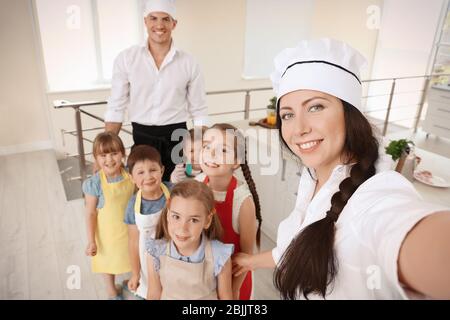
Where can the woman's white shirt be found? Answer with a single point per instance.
(369, 231)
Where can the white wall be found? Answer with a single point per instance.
(214, 32)
(404, 45)
(347, 20)
(23, 116)
(406, 37)
(273, 26)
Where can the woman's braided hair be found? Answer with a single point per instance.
(309, 264)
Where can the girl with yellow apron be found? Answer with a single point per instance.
(106, 197)
(111, 235)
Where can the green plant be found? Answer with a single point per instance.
(273, 103)
(397, 147)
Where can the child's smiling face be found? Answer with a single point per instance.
(147, 176)
(218, 155)
(110, 163)
(186, 220)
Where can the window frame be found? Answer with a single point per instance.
(102, 83)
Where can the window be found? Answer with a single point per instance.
(81, 38)
(273, 26)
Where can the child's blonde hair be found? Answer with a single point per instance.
(192, 189)
(107, 142)
(240, 154)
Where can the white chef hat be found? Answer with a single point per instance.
(167, 6)
(325, 65)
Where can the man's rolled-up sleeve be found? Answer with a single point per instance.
(120, 91)
(196, 97)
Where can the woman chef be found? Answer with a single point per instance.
(356, 232)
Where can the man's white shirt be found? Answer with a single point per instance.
(172, 94)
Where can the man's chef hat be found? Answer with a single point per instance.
(167, 6)
(325, 65)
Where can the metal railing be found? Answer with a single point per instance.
(58, 104)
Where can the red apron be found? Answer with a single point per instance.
(225, 212)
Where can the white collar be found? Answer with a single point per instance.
(172, 50)
(317, 206)
(339, 171)
(383, 163)
(195, 257)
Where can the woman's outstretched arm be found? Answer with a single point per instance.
(243, 262)
(424, 259)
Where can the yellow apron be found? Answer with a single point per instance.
(111, 235)
(188, 281)
(146, 224)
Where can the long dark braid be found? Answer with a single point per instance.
(309, 264)
(241, 141)
(251, 184)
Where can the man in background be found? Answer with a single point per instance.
(160, 86)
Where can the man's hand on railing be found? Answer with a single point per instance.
(113, 127)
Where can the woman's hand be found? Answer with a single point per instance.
(91, 249)
(242, 263)
(133, 283)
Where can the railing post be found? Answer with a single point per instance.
(422, 102)
(81, 157)
(247, 105)
(283, 168)
(388, 113)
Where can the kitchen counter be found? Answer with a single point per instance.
(441, 87)
(438, 166)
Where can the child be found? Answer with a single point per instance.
(106, 195)
(192, 146)
(237, 203)
(143, 210)
(189, 262)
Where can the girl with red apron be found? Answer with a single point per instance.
(225, 212)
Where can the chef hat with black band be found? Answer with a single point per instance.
(325, 65)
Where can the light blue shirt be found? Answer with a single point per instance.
(221, 252)
(147, 206)
(93, 186)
